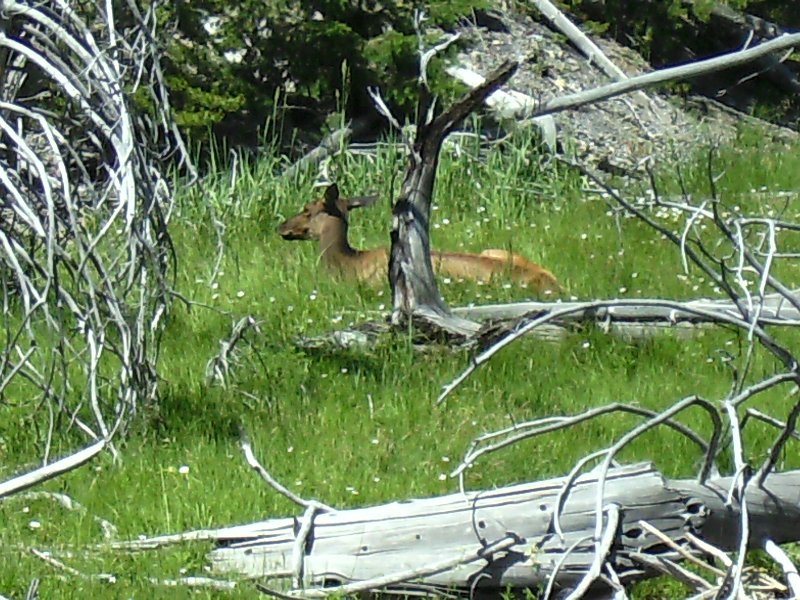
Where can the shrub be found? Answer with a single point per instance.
(231, 64)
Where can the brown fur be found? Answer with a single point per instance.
(326, 221)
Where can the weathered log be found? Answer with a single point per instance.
(775, 310)
(408, 537)
(630, 320)
(331, 143)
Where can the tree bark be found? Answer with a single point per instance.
(415, 295)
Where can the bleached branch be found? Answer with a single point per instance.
(530, 110)
(59, 467)
(789, 568)
(274, 484)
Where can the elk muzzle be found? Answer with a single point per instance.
(291, 231)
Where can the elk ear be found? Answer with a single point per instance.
(331, 195)
(361, 201)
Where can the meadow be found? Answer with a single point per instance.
(356, 428)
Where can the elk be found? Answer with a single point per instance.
(325, 221)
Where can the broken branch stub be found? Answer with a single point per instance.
(415, 295)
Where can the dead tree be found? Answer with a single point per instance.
(415, 295)
(85, 256)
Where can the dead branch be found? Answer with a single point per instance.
(789, 569)
(33, 590)
(282, 490)
(86, 260)
(57, 564)
(59, 467)
(508, 104)
(680, 73)
(219, 366)
(774, 309)
(196, 582)
(415, 296)
(526, 325)
(414, 292)
(589, 49)
(330, 145)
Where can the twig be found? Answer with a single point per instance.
(33, 589)
(427, 55)
(759, 416)
(109, 529)
(219, 366)
(739, 489)
(551, 581)
(300, 544)
(54, 562)
(789, 568)
(704, 546)
(274, 484)
(777, 447)
(521, 431)
(196, 582)
(680, 549)
(162, 541)
(668, 567)
(602, 548)
(527, 325)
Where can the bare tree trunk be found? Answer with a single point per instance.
(415, 295)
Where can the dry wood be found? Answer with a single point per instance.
(196, 582)
(330, 145)
(85, 253)
(775, 309)
(581, 41)
(789, 569)
(508, 104)
(364, 544)
(218, 367)
(415, 295)
(68, 463)
(48, 558)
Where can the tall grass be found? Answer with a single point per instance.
(355, 428)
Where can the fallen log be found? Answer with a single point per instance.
(490, 540)
(331, 144)
(774, 310)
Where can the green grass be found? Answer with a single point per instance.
(360, 428)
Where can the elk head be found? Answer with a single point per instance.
(331, 209)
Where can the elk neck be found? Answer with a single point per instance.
(333, 245)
